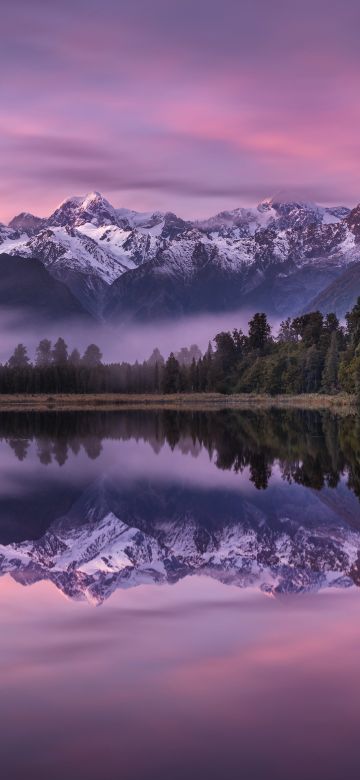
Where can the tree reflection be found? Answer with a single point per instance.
(20, 447)
(310, 448)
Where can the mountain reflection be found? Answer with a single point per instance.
(253, 499)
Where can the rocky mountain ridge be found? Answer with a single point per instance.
(100, 546)
(123, 264)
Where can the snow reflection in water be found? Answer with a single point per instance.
(236, 652)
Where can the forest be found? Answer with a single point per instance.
(311, 353)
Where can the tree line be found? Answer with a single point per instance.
(312, 353)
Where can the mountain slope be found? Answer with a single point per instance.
(341, 295)
(73, 258)
(28, 289)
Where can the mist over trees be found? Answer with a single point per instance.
(311, 353)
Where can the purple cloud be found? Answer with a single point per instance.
(189, 106)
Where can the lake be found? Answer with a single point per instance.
(179, 595)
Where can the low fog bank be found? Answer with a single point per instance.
(119, 343)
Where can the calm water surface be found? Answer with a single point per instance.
(179, 595)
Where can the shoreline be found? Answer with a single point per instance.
(341, 404)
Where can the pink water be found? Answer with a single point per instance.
(192, 680)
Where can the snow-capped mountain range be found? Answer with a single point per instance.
(120, 263)
(107, 541)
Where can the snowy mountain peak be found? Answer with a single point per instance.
(95, 204)
(27, 223)
(75, 211)
(128, 218)
(100, 545)
(265, 204)
(94, 197)
(220, 263)
(72, 200)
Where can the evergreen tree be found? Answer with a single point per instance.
(43, 353)
(357, 380)
(194, 376)
(309, 327)
(92, 356)
(313, 370)
(157, 381)
(187, 354)
(225, 351)
(259, 332)
(156, 358)
(20, 447)
(330, 373)
(194, 353)
(183, 356)
(19, 358)
(171, 380)
(239, 340)
(331, 323)
(60, 353)
(74, 358)
(287, 333)
(209, 352)
(353, 324)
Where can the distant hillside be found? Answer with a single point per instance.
(27, 288)
(341, 295)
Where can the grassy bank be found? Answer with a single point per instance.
(342, 403)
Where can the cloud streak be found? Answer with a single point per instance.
(189, 106)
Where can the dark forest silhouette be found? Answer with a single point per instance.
(311, 353)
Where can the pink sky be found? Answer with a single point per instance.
(192, 106)
(195, 675)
